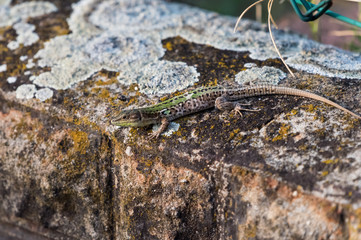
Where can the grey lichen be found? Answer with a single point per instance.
(20, 12)
(125, 36)
(43, 94)
(25, 91)
(11, 80)
(264, 75)
(26, 34)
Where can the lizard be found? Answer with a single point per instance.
(203, 98)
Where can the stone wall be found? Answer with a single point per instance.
(288, 171)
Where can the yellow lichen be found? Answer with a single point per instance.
(104, 93)
(96, 90)
(310, 108)
(85, 121)
(331, 161)
(27, 126)
(241, 172)
(250, 231)
(234, 133)
(292, 113)
(178, 132)
(133, 87)
(80, 140)
(222, 64)
(148, 163)
(168, 46)
(103, 83)
(283, 132)
(133, 131)
(321, 132)
(324, 173)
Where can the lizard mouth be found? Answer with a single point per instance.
(133, 118)
(123, 121)
(128, 123)
(124, 124)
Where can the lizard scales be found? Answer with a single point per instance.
(204, 98)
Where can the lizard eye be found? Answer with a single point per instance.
(134, 116)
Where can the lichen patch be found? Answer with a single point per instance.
(25, 91)
(264, 75)
(125, 37)
(20, 12)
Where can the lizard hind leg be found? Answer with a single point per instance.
(223, 104)
(238, 109)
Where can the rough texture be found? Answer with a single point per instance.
(289, 171)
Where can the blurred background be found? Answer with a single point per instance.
(325, 29)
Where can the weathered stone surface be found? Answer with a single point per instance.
(289, 171)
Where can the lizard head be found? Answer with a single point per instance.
(133, 118)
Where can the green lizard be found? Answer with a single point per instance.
(204, 98)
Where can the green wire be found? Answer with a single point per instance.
(328, 12)
(343, 18)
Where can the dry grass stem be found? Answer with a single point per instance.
(270, 2)
(270, 18)
(246, 10)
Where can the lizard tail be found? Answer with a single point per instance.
(301, 93)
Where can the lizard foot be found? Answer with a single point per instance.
(162, 128)
(238, 109)
(154, 135)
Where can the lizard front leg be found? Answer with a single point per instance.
(162, 128)
(223, 104)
